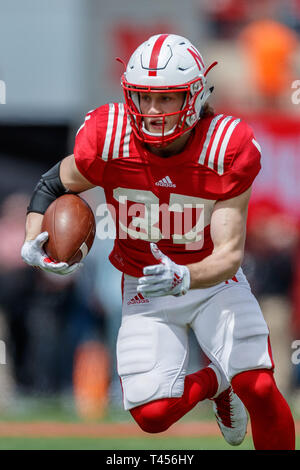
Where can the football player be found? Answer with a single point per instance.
(178, 178)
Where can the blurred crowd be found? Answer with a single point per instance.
(60, 332)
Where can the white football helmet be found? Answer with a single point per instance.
(166, 63)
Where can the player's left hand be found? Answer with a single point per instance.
(166, 278)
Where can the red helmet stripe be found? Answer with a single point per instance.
(197, 57)
(155, 54)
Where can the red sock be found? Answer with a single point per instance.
(159, 415)
(271, 419)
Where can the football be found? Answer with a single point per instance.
(71, 226)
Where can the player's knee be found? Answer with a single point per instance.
(152, 417)
(254, 384)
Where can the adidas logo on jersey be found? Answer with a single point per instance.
(166, 182)
(138, 299)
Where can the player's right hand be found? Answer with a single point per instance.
(33, 254)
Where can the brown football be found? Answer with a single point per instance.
(71, 226)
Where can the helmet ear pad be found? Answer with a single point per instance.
(134, 95)
(198, 97)
(133, 105)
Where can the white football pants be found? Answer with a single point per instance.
(152, 345)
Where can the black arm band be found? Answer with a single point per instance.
(47, 190)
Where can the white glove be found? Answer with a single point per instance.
(33, 254)
(166, 278)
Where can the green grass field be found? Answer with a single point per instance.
(38, 411)
(149, 443)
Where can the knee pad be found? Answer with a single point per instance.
(152, 358)
(136, 355)
(248, 353)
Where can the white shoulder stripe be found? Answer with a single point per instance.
(82, 125)
(116, 149)
(216, 141)
(127, 139)
(109, 130)
(256, 145)
(225, 144)
(208, 137)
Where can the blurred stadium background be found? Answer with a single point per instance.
(57, 61)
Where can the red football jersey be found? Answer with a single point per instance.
(165, 200)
